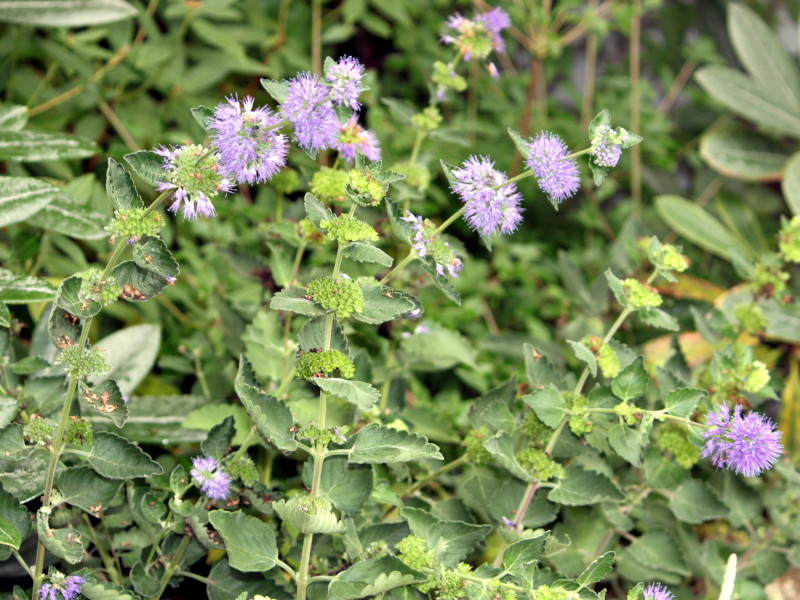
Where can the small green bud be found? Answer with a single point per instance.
(628, 412)
(79, 432)
(608, 361)
(326, 437)
(243, 469)
(769, 279)
(537, 432)
(308, 233)
(321, 363)
(366, 280)
(640, 295)
(757, 377)
(539, 465)
(343, 296)
(430, 118)
(94, 290)
(286, 182)
(81, 364)
(348, 228)
(789, 240)
(365, 185)
(672, 438)
(417, 175)
(476, 453)
(328, 184)
(133, 224)
(751, 318)
(37, 430)
(414, 552)
(451, 583)
(545, 592)
(497, 591)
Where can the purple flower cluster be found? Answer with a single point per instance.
(557, 175)
(68, 588)
(353, 137)
(606, 153)
(656, 591)
(344, 77)
(748, 445)
(249, 146)
(479, 35)
(309, 109)
(213, 481)
(489, 206)
(425, 242)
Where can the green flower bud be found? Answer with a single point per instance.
(328, 184)
(640, 295)
(451, 583)
(366, 186)
(545, 592)
(343, 296)
(94, 290)
(81, 364)
(789, 240)
(78, 433)
(321, 363)
(769, 279)
(308, 233)
(287, 181)
(348, 228)
(243, 469)
(672, 438)
(537, 432)
(326, 437)
(414, 552)
(417, 175)
(476, 453)
(757, 377)
(539, 465)
(608, 361)
(134, 224)
(430, 118)
(37, 430)
(751, 318)
(628, 412)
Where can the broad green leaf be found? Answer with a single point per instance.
(443, 283)
(681, 402)
(383, 304)
(364, 252)
(276, 89)
(9, 535)
(19, 289)
(249, 541)
(401, 229)
(270, 415)
(540, 370)
(762, 55)
(23, 197)
(312, 335)
(631, 381)
(658, 549)
(64, 543)
(225, 583)
(315, 211)
(116, 458)
(154, 256)
(790, 183)
(65, 13)
(82, 487)
(743, 156)
(322, 521)
(120, 188)
(105, 399)
(358, 393)
(749, 99)
(34, 146)
(5, 317)
(98, 590)
(378, 444)
(452, 540)
(585, 355)
(493, 413)
(627, 442)
(131, 354)
(694, 502)
(501, 447)
(655, 317)
(522, 553)
(12, 444)
(202, 114)
(13, 116)
(582, 488)
(438, 349)
(68, 298)
(138, 284)
(65, 216)
(147, 165)
(16, 514)
(549, 405)
(347, 486)
(219, 439)
(597, 571)
(294, 300)
(372, 577)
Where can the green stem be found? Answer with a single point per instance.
(22, 562)
(636, 151)
(286, 381)
(421, 134)
(577, 154)
(316, 36)
(387, 384)
(449, 221)
(420, 483)
(173, 564)
(399, 267)
(163, 196)
(111, 567)
(519, 516)
(515, 179)
(201, 376)
(245, 444)
(194, 576)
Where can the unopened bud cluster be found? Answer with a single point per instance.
(672, 438)
(321, 363)
(328, 184)
(134, 224)
(343, 296)
(37, 430)
(606, 357)
(347, 228)
(640, 295)
(323, 436)
(80, 364)
(79, 432)
(539, 465)
(365, 186)
(244, 469)
(93, 289)
(789, 240)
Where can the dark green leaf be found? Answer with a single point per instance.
(147, 165)
(581, 488)
(131, 354)
(523, 147)
(69, 298)
(116, 458)
(120, 189)
(65, 13)
(225, 583)
(65, 216)
(250, 542)
(365, 252)
(383, 304)
(501, 447)
(522, 553)
(276, 89)
(357, 393)
(743, 156)
(549, 405)
(154, 256)
(202, 114)
(106, 399)
(694, 502)
(82, 487)
(378, 444)
(312, 335)
(682, 401)
(585, 355)
(33, 146)
(372, 577)
(631, 381)
(597, 571)
(347, 486)
(13, 116)
(218, 441)
(627, 442)
(452, 540)
(293, 300)
(23, 197)
(63, 543)
(315, 211)
(9, 535)
(138, 284)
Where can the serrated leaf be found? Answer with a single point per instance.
(372, 577)
(65, 13)
(293, 300)
(219, 439)
(270, 415)
(695, 502)
(358, 393)
(501, 447)
(34, 146)
(68, 298)
(23, 197)
(63, 543)
(147, 165)
(631, 382)
(15, 513)
(549, 405)
(365, 252)
(276, 89)
(581, 488)
(615, 285)
(655, 317)
(659, 550)
(82, 487)
(20, 289)
(682, 401)
(347, 486)
(627, 442)
(401, 229)
(377, 444)
(106, 399)
(597, 571)
(154, 256)
(98, 590)
(383, 304)
(522, 146)
(440, 282)
(225, 583)
(249, 541)
(323, 521)
(116, 458)
(585, 355)
(202, 114)
(120, 188)
(453, 541)
(138, 284)
(315, 211)
(522, 553)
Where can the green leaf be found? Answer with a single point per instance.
(315, 211)
(549, 405)
(64, 543)
(749, 99)
(539, 369)
(522, 553)
(347, 486)
(23, 197)
(84, 488)
(131, 354)
(9, 535)
(378, 444)
(323, 521)
(68, 298)
(437, 349)
(585, 355)
(106, 399)
(312, 335)
(453, 541)
(138, 284)
(501, 447)
(120, 188)
(147, 165)
(65, 13)
(276, 89)
(116, 458)
(270, 415)
(357, 393)
(597, 571)
(655, 317)
(225, 583)
(383, 304)
(627, 442)
(202, 114)
(761, 53)
(34, 146)
(5, 317)
(681, 402)
(24, 474)
(13, 116)
(154, 256)
(401, 229)
(364, 252)
(219, 439)
(294, 300)
(493, 413)
(249, 541)
(440, 282)
(581, 488)
(15, 513)
(695, 502)
(631, 381)
(67, 217)
(659, 550)
(373, 577)
(790, 183)
(98, 590)
(27, 366)
(743, 156)
(522, 146)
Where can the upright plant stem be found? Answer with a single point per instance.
(589, 73)
(636, 151)
(519, 515)
(316, 36)
(173, 564)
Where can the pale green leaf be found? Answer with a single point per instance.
(249, 541)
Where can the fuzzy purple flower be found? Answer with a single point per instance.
(213, 481)
(353, 137)
(425, 243)
(605, 152)
(477, 36)
(344, 77)
(69, 587)
(656, 591)
(558, 176)
(250, 148)
(309, 109)
(495, 20)
(489, 206)
(746, 445)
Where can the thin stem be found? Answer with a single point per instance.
(291, 572)
(111, 567)
(163, 196)
(316, 36)
(519, 516)
(435, 475)
(118, 125)
(398, 267)
(173, 564)
(677, 85)
(286, 381)
(245, 444)
(22, 562)
(516, 178)
(577, 154)
(194, 576)
(201, 376)
(635, 67)
(421, 133)
(589, 75)
(450, 220)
